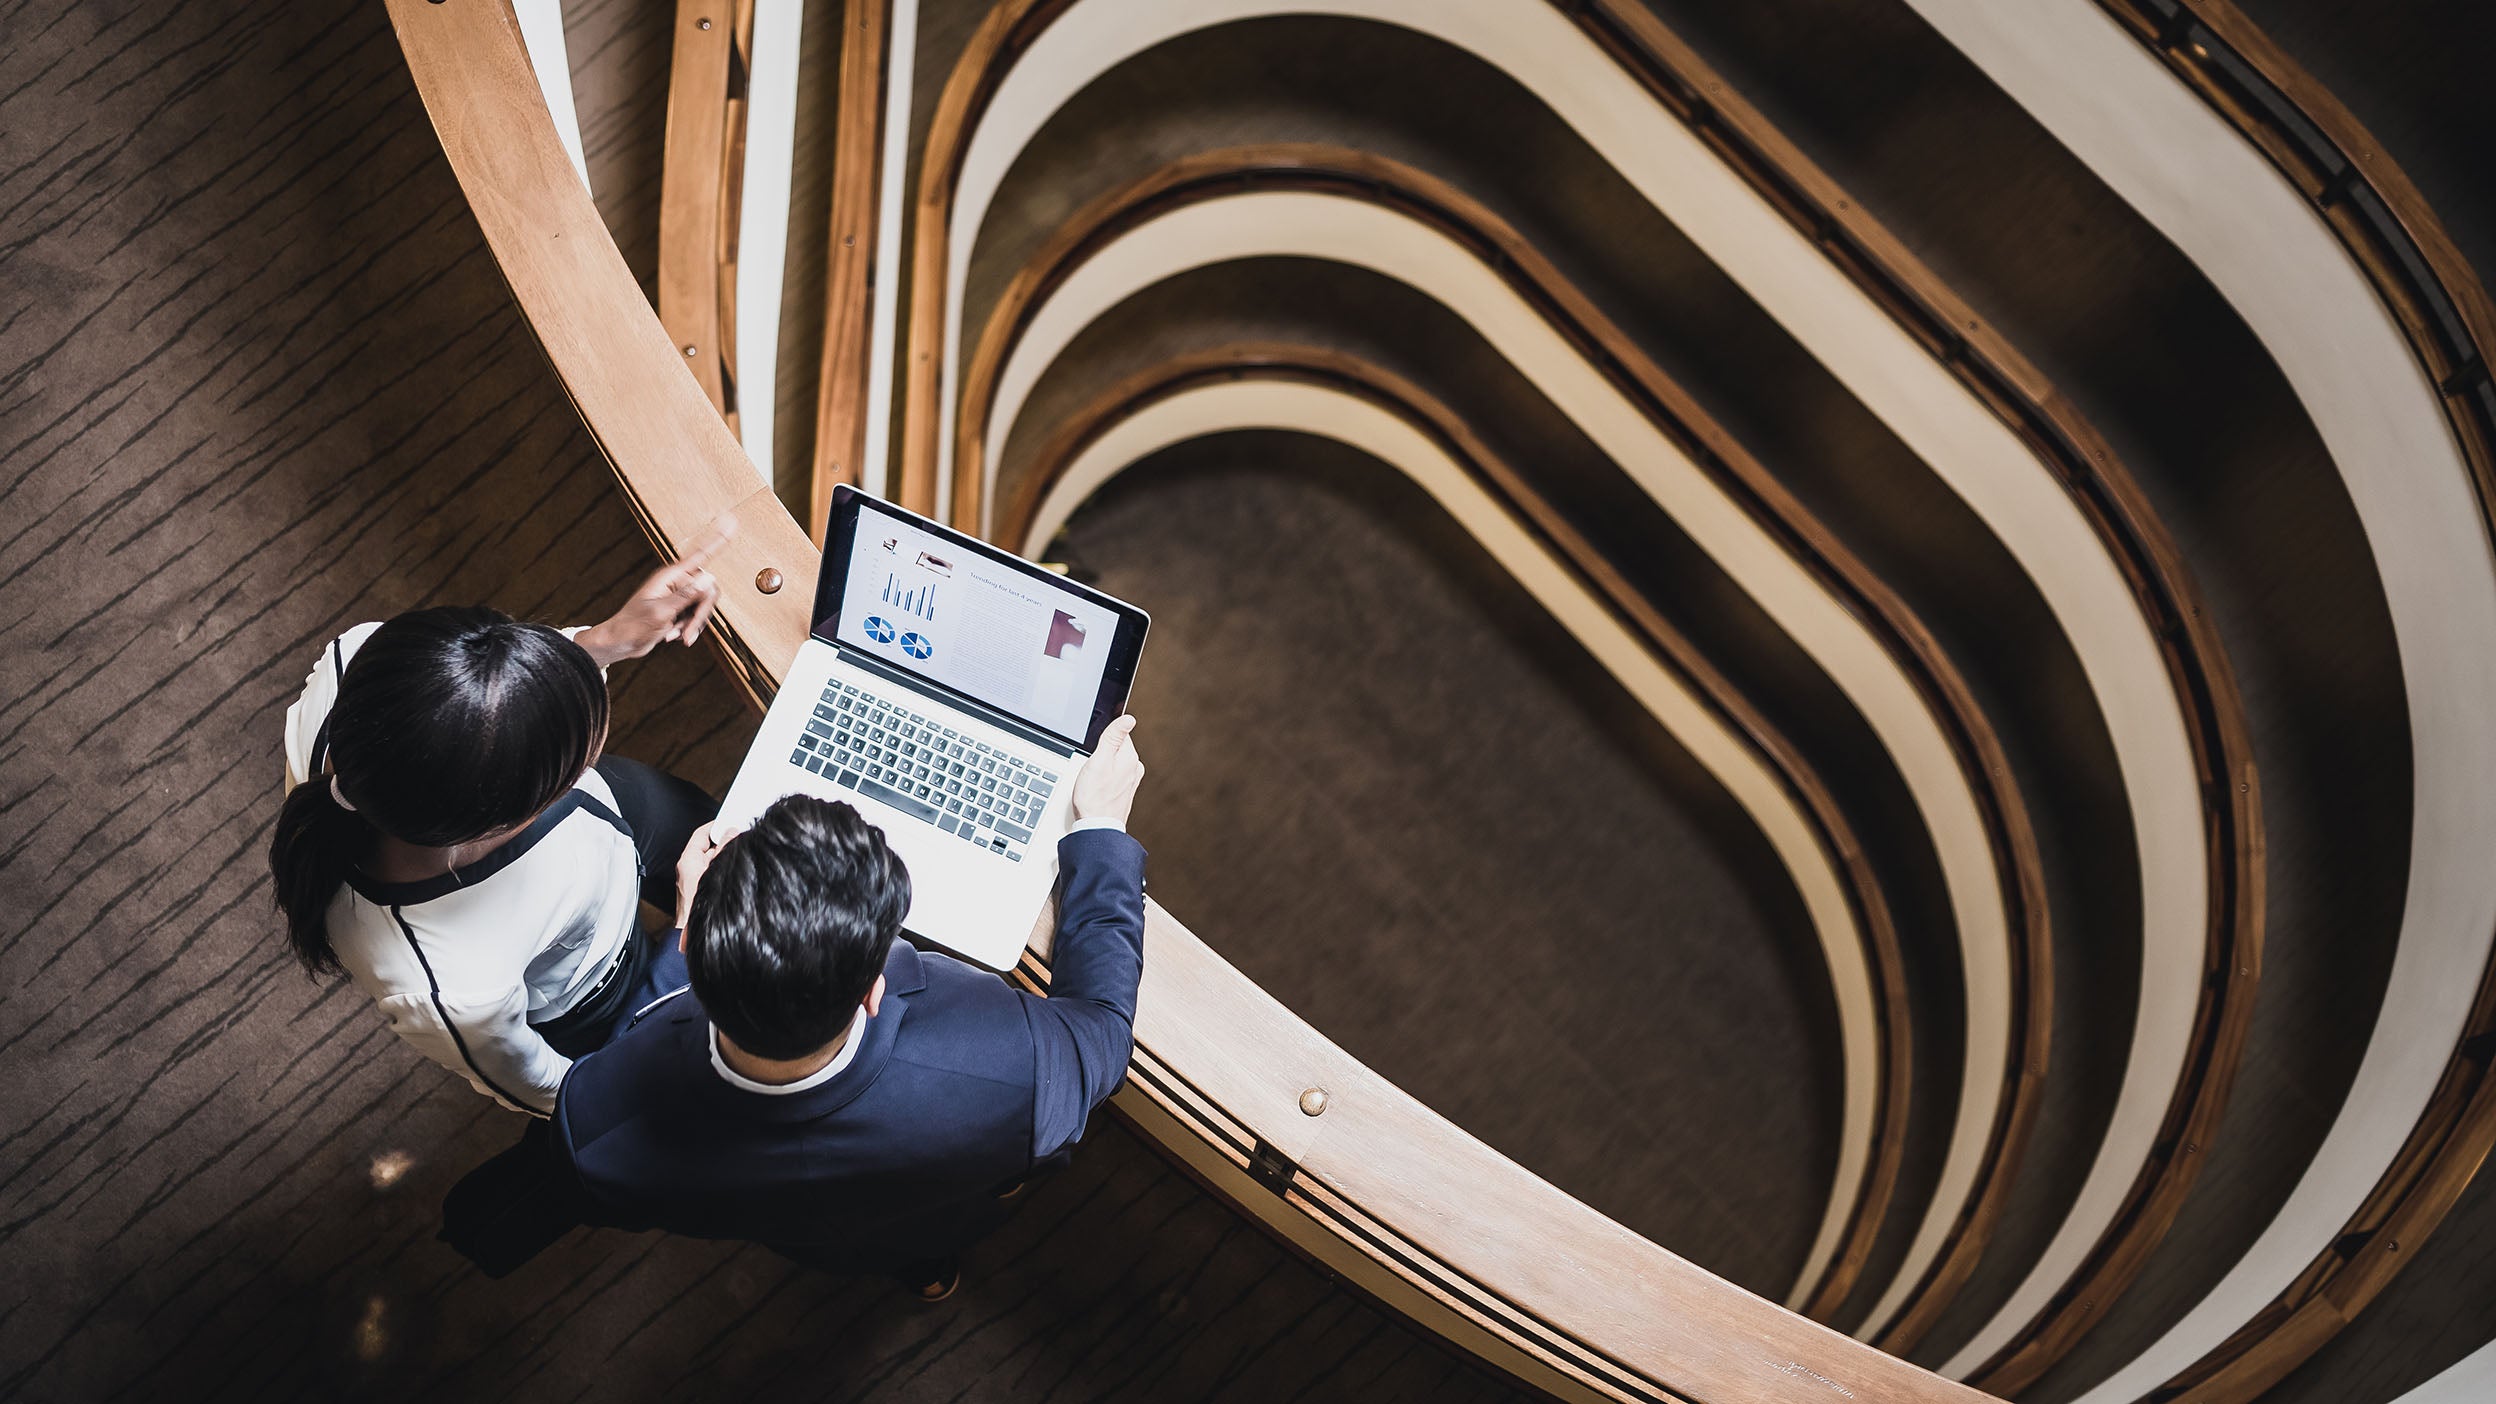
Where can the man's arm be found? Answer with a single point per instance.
(1083, 1032)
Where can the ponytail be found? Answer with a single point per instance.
(316, 844)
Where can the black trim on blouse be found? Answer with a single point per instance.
(409, 894)
(320, 736)
(445, 1014)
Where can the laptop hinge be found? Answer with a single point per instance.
(924, 688)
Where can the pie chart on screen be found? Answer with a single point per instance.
(880, 629)
(916, 645)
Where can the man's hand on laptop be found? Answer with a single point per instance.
(1105, 787)
(699, 851)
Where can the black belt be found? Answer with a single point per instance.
(585, 1027)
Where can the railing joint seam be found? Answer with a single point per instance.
(1271, 1168)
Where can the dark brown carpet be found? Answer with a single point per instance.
(259, 381)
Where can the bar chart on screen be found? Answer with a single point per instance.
(911, 599)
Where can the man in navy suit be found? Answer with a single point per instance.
(836, 1094)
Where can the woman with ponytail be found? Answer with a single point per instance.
(454, 841)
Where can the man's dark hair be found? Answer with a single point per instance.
(791, 924)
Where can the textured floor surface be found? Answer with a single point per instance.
(258, 381)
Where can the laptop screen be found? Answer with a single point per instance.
(995, 630)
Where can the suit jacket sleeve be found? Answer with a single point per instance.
(1084, 1030)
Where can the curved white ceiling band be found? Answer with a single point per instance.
(1383, 240)
(1313, 409)
(763, 221)
(901, 61)
(2206, 188)
(1939, 418)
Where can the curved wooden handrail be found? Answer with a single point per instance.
(1800, 781)
(2197, 660)
(2449, 320)
(858, 136)
(698, 182)
(702, 167)
(1538, 522)
(1982, 359)
(1445, 1229)
(1976, 747)
(1008, 29)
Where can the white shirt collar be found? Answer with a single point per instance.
(840, 1061)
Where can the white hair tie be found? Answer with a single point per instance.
(338, 794)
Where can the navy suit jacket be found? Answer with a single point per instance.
(964, 1086)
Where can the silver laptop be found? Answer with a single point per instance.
(950, 691)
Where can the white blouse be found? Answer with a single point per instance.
(462, 962)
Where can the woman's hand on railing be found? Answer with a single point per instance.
(674, 603)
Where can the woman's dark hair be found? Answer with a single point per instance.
(449, 725)
(791, 924)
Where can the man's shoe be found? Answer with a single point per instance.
(936, 1291)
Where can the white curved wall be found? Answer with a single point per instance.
(1338, 229)
(1941, 420)
(2205, 187)
(2472, 1380)
(763, 221)
(1313, 409)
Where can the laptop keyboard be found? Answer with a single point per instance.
(925, 769)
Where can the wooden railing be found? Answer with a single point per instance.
(2368, 201)
(2080, 457)
(701, 174)
(841, 399)
(1943, 693)
(1981, 359)
(2444, 311)
(1516, 493)
(703, 161)
(1374, 1185)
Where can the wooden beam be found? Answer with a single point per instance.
(1977, 747)
(2154, 567)
(841, 407)
(695, 210)
(2067, 446)
(2452, 1140)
